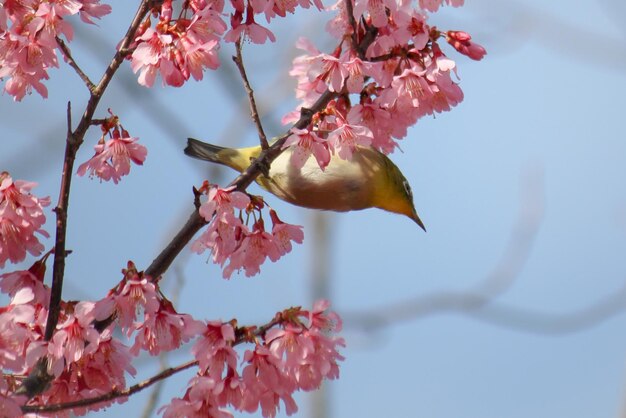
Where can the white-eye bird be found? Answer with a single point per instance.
(369, 180)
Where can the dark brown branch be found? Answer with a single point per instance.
(73, 142)
(238, 59)
(58, 269)
(72, 63)
(176, 245)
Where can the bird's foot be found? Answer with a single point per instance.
(263, 165)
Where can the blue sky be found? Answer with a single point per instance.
(540, 133)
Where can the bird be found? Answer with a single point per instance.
(369, 180)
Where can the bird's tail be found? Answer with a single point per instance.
(203, 151)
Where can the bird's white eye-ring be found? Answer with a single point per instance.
(407, 189)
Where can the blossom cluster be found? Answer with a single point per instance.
(180, 46)
(293, 352)
(402, 76)
(296, 356)
(112, 158)
(29, 30)
(230, 239)
(21, 218)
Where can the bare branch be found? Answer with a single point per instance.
(70, 60)
(238, 59)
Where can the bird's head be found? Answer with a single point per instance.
(393, 193)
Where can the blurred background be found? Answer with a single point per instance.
(511, 305)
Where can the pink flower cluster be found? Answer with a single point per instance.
(28, 31)
(229, 238)
(180, 48)
(113, 157)
(84, 362)
(184, 46)
(296, 356)
(295, 351)
(83, 357)
(21, 216)
(403, 76)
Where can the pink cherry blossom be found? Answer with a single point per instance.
(379, 121)
(9, 403)
(349, 135)
(28, 31)
(113, 157)
(164, 330)
(223, 201)
(265, 383)
(123, 302)
(222, 237)
(96, 374)
(248, 30)
(284, 233)
(254, 248)
(200, 401)
(462, 42)
(21, 216)
(433, 5)
(12, 282)
(74, 338)
(214, 350)
(93, 8)
(305, 143)
(15, 335)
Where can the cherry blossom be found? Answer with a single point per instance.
(28, 42)
(164, 330)
(12, 282)
(305, 143)
(21, 216)
(284, 233)
(349, 134)
(113, 157)
(462, 42)
(135, 291)
(214, 350)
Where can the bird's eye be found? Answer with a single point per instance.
(407, 189)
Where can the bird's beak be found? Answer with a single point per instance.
(417, 220)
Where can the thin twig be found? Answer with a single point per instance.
(72, 62)
(238, 59)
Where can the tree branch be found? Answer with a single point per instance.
(238, 59)
(114, 394)
(72, 63)
(74, 140)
